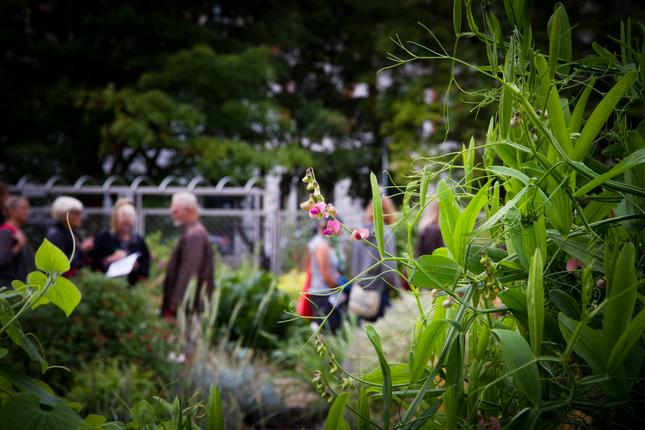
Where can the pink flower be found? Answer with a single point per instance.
(573, 265)
(360, 234)
(318, 210)
(333, 227)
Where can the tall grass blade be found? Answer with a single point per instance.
(535, 298)
(387, 377)
(377, 209)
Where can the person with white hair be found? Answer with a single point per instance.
(192, 257)
(66, 210)
(120, 240)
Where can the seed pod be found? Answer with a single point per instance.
(515, 120)
(534, 136)
(448, 302)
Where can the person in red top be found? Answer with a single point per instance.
(16, 258)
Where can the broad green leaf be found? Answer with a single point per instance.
(535, 301)
(23, 412)
(435, 271)
(630, 337)
(600, 115)
(621, 297)
(424, 346)
(576, 118)
(466, 223)
(399, 372)
(449, 213)
(598, 210)
(520, 362)
(377, 209)
(387, 377)
(94, 421)
(215, 418)
(3, 352)
(63, 294)
(51, 259)
(335, 418)
(588, 345)
(632, 160)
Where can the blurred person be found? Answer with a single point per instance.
(66, 209)
(4, 195)
(192, 257)
(16, 257)
(364, 255)
(325, 277)
(120, 240)
(429, 237)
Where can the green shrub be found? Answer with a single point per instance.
(112, 321)
(251, 310)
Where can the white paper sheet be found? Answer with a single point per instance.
(123, 266)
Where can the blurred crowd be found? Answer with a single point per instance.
(192, 257)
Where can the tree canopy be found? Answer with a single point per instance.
(234, 87)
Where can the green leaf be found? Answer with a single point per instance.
(387, 377)
(559, 39)
(363, 419)
(449, 213)
(63, 294)
(508, 171)
(632, 160)
(565, 303)
(588, 345)
(399, 372)
(520, 362)
(435, 271)
(456, 16)
(630, 337)
(3, 352)
(600, 115)
(50, 259)
(535, 301)
(621, 297)
(424, 345)
(24, 412)
(576, 118)
(450, 407)
(215, 419)
(335, 418)
(377, 209)
(466, 223)
(94, 421)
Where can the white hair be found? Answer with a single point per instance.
(64, 204)
(186, 200)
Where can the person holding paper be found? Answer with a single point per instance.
(120, 241)
(192, 257)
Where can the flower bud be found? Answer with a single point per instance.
(448, 302)
(307, 205)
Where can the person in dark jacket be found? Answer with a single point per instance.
(16, 257)
(429, 237)
(120, 241)
(192, 257)
(67, 208)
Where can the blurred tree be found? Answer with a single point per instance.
(235, 87)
